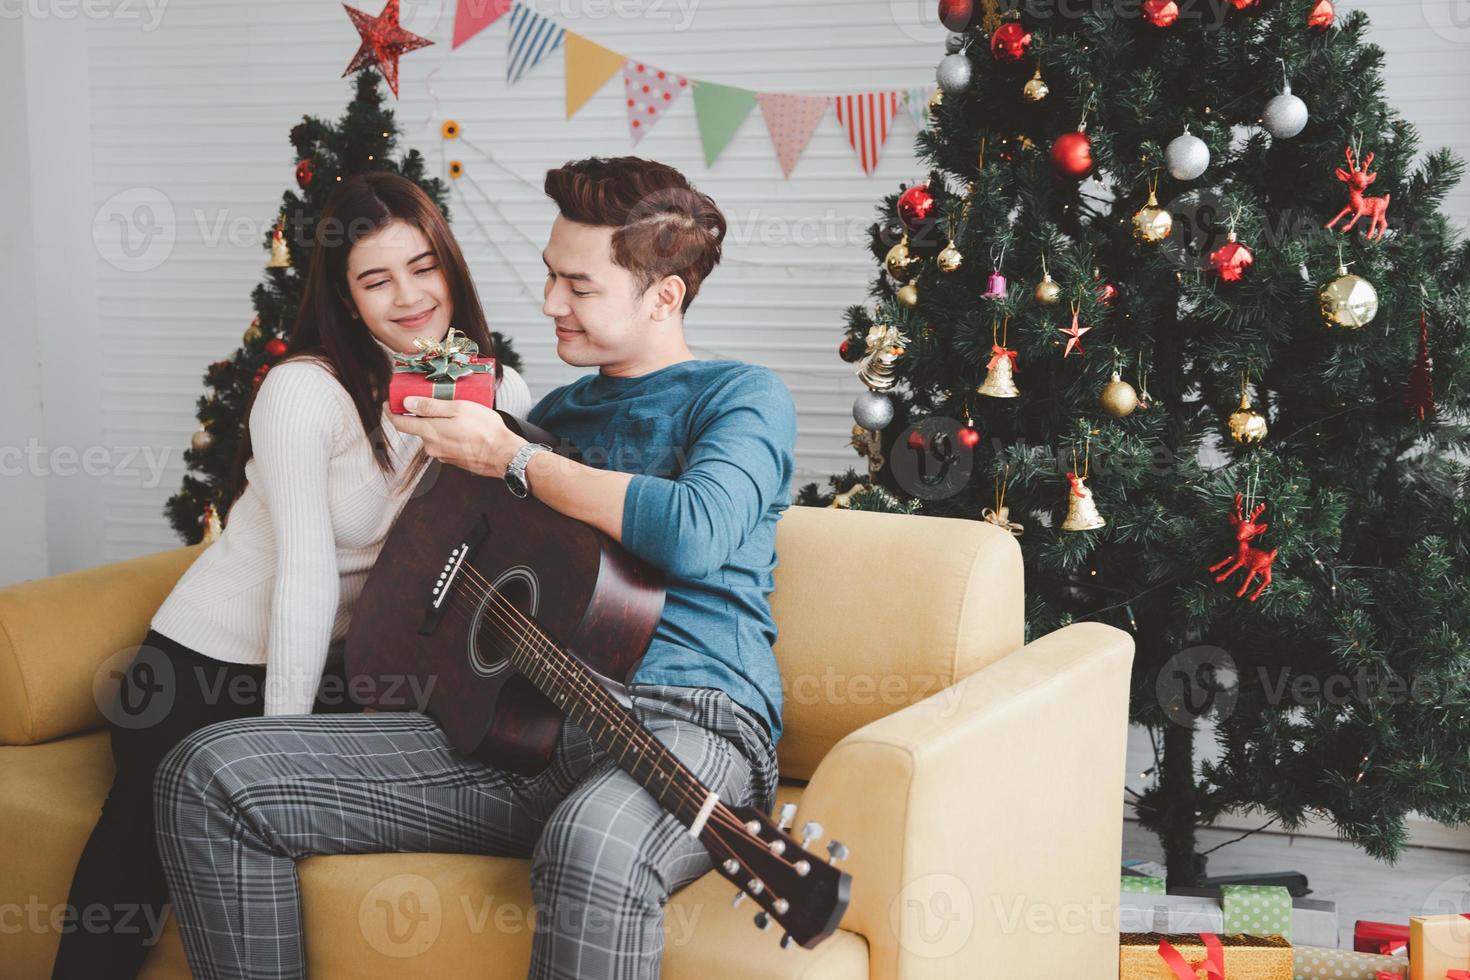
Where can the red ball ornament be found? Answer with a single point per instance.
(1071, 155)
(1231, 260)
(1321, 16)
(275, 347)
(259, 375)
(1160, 13)
(844, 349)
(969, 436)
(956, 15)
(303, 174)
(917, 442)
(1242, 4)
(1009, 42)
(1107, 294)
(916, 207)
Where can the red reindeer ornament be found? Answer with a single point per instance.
(1376, 208)
(1253, 560)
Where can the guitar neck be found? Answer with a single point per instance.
(572, 688)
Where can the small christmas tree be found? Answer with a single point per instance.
(363, 140)
(1205, 429)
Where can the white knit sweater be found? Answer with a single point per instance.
(278, 585)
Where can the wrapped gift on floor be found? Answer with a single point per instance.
(1439, 947)
(450, 369)
(1319, 963)
(1143, 885)
(1238, 908)
(1387, 938)
(1156, 956)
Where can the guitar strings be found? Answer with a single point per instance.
(720, 813)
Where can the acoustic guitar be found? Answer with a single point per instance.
(512, 616)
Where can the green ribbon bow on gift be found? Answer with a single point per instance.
(442, 361)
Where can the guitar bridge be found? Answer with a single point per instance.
(442, 590)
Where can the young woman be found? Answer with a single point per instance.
(320, 476)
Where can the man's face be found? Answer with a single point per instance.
(397, 287)
(601, 315)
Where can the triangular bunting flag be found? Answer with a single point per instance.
(650, 91)
(917, 101)
(532, 37)
(473, 16)
(589, 66)
(720, 109)
(791, 120)
(866, 118)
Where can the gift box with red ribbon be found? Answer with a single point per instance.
(1384, 938)
(1181, 956)
(1321, 963)
(450, 369)
(1439, 947)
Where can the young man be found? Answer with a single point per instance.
(698, 465)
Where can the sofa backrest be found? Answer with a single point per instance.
(876, 611)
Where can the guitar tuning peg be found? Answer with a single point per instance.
(788, 814)
(837, 851)
(810, 831)
(739, 897)
(786, 940)
(762, 921)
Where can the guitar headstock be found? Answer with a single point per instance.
(805, 893)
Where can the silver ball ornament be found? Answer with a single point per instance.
(954, 74)
(1186, 156)
(872, 410)
(1285, 115)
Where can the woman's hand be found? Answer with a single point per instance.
(462, 433)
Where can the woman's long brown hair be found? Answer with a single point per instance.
(325, 328)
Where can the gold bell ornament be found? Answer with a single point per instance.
(1348, 301)
(1000, 371)
(1036, 90)
(1247, 426)
(280, 255)
(1151, 223)
(902, 264)
(1082, 513)
(1000, 515)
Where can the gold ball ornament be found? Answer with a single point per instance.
(902, 263)
(936, 99)
(908, 294)
(1047, 291)
(949, 258)
(1247, 426)
(1348, 301)
(1151, 223)
(1036, 89)
(252, 333)
(201, 441)
(1118, 397)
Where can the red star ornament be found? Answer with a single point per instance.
(1074, 335)
(383, 41)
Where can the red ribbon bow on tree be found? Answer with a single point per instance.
(998, 354)
(1213, 963)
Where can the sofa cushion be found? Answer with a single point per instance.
(406, 915)
(848, 583)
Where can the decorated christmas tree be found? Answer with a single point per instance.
(364, 139)
(1175, 305)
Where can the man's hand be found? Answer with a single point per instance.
(462, 433)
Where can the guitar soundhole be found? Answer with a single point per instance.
(500, 617)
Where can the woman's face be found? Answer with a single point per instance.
(397, 287)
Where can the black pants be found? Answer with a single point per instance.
(115, 910)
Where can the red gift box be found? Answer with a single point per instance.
(1381, 937)
(478, 387)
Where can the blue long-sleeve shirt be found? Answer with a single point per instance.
(712, 446)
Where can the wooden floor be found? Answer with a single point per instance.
(1362, 887)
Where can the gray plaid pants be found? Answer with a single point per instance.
(238, 802)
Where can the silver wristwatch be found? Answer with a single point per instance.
(515, 473)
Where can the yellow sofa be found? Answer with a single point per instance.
(977, 779)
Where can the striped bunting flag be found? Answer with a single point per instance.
(916, 100)
(866, 119)
(532, 37)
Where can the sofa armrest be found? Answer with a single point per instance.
(985, 822)
(55, 633)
